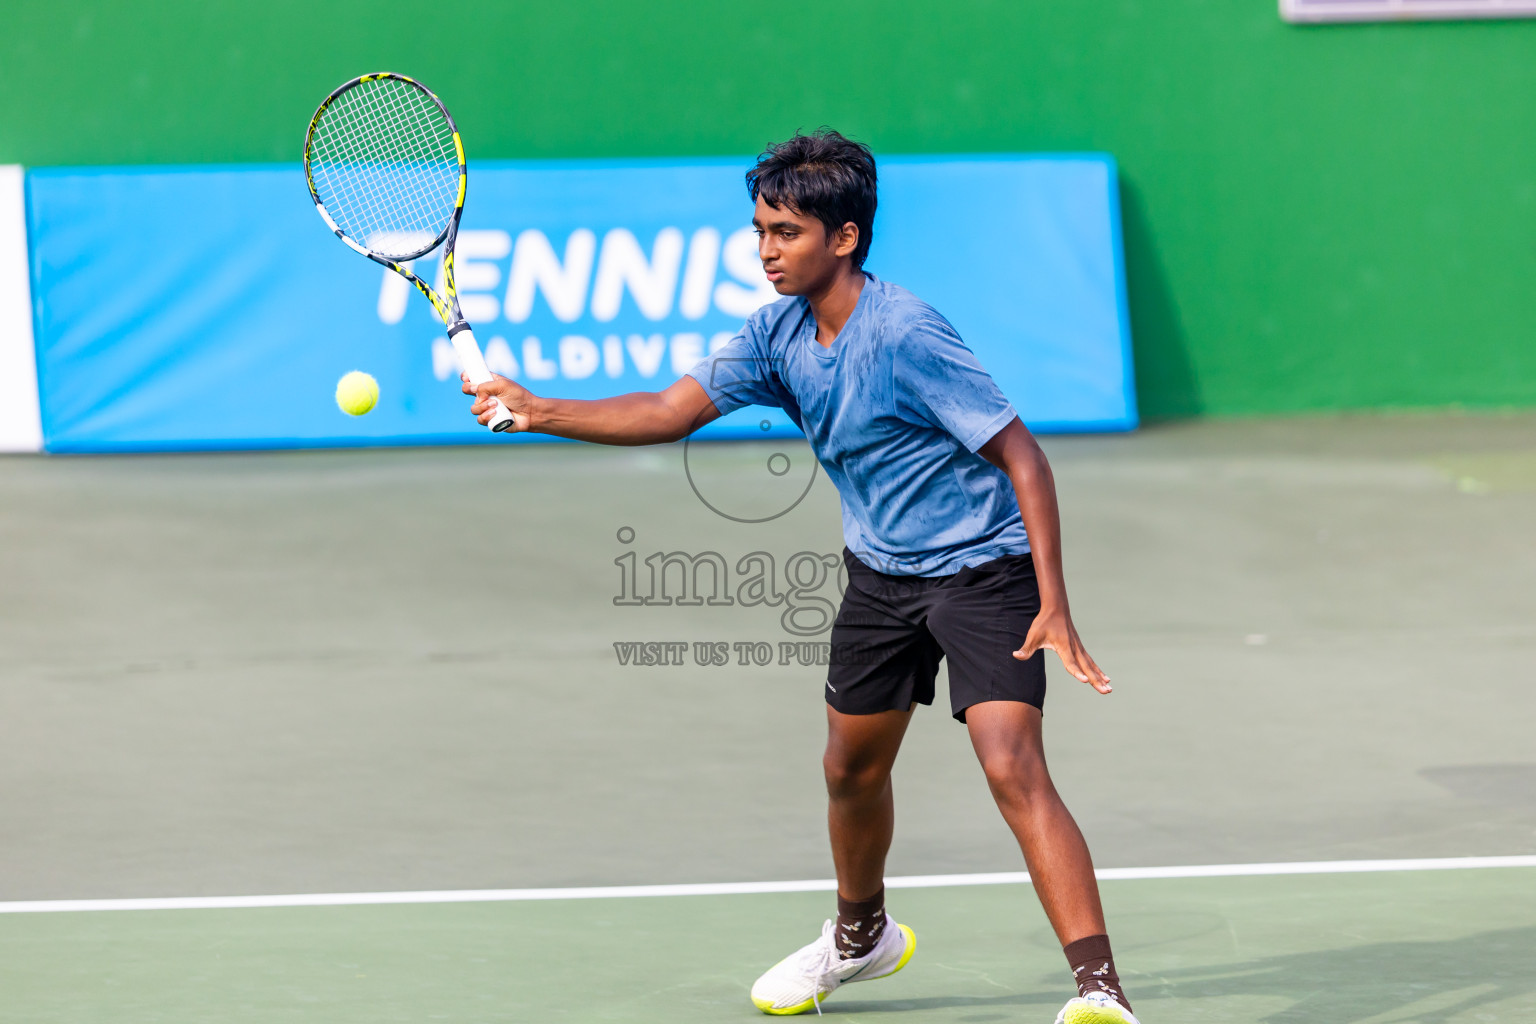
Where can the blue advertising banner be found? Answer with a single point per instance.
(211, 308)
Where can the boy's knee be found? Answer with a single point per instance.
(849, 779)
(1016, 778)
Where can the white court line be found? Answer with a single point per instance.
(354, 899)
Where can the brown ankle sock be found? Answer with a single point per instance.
(860, 924)
(1093, 967)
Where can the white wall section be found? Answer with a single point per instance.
(1303, 11)
(21, 428)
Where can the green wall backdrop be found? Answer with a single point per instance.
(1317, 218)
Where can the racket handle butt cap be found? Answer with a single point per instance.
(473, 363)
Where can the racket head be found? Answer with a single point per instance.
(385, 166)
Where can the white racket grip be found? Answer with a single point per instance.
(472, 361)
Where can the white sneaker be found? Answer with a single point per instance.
(804, 978)
(1095, 1008)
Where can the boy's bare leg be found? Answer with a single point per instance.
(1006, 737)
(862, 943)
(860, 810)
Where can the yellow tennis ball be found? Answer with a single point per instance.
(356, 393)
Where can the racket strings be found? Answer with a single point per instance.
(384, 165)
(388, 184)
(392, 170)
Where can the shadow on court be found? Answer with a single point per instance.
(1359, 949)
(1425, 982)
(1428, 982)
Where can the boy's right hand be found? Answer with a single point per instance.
(517, 399)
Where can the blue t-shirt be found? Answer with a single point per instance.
(895, 411)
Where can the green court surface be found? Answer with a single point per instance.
(374, 671)
(1426, 947)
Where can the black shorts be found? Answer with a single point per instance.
(892, 631)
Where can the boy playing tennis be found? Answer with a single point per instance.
(953, 550)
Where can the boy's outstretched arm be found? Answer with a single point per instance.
(642, 417)
(1014, 451)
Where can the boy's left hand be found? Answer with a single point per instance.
(1053, 631)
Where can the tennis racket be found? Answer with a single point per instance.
(385, 167)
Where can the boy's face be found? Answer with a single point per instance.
(798, 254)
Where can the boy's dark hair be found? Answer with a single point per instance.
(822, 175)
